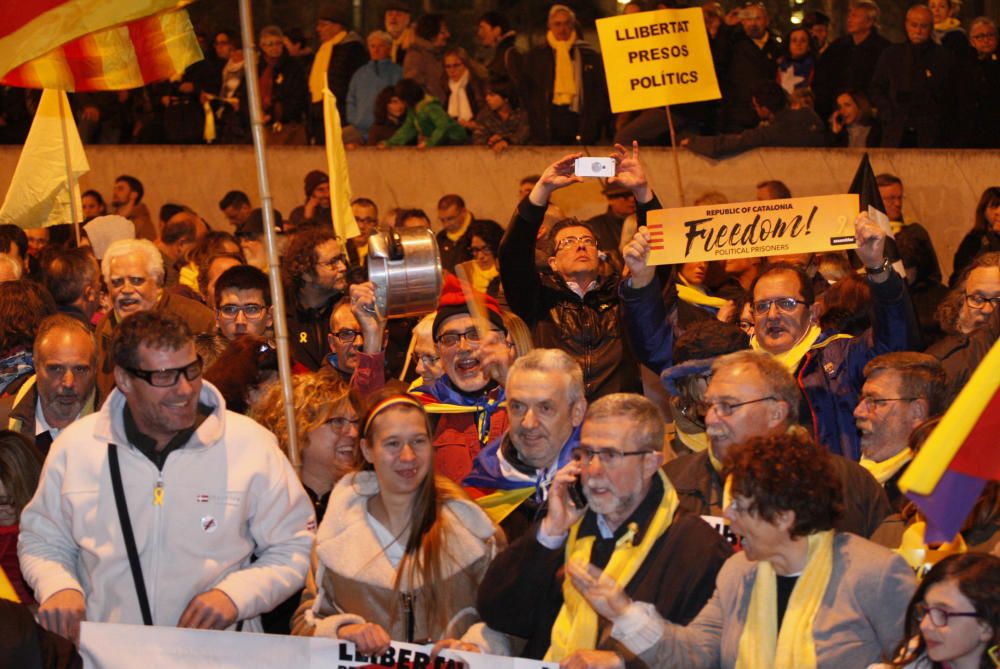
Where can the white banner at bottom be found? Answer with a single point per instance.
(113, 646)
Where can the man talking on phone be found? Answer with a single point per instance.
(511, 477)
(625, 525)
(575, 308)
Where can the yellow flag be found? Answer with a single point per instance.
(39, 194)
(336, 164)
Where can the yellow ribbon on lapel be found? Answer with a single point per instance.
(576, 625)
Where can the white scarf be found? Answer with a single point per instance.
(458, 102)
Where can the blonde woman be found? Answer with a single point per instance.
(326, 425)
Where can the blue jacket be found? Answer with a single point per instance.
(368, 81)
(830, 377)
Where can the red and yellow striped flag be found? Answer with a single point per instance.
(94, 45)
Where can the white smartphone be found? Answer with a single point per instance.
(588, 166)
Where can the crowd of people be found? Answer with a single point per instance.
(492, 476)
(408, 83)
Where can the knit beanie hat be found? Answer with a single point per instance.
(314, 180)
(452, 303)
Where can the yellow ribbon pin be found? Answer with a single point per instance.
(303, 337)
(158, 496)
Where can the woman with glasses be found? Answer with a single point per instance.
(401, 552)
(953, 619)
(799, 596)
(326, 430)
(484, 243)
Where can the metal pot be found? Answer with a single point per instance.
(405, 266)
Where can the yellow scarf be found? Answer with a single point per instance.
(321, 63)
(481, 278)
(793, 356)
(397, 44)
(564, 89)
(762, 645)
(692, 295)
(696, 441)
(455, 236)
(921, 557)
(576, 625)
(885, 470)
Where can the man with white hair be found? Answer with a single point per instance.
(133, 271)
(563, 85)
(369, 80)
(510, 478)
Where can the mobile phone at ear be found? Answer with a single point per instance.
(576, 495)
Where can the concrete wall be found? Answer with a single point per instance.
(942, 187)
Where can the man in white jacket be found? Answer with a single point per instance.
(205, 490)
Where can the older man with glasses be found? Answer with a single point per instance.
(576, 306)
(752, 394)
(163, 465)
(827, 366)
(610, 507)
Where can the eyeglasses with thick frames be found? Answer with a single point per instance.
(476, 250)
(346, 336)
(573, 242)
(165, 378)
(977, 301)
(231, 312)
(450, 339)
(939, 617)
(785, 305)
(725, 409)
(608, 457)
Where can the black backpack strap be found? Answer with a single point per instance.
(126, 523)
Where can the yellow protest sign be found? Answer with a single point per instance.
(752, 229)
(652, 59)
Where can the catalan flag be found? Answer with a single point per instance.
(94, 45)
(948, 474)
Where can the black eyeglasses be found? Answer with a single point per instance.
(251, 311)
(939, 616)
(785, 304)
(450, 339)
(977, 301)
(164, 378)
(347, 336)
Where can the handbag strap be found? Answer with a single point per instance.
(126, 523)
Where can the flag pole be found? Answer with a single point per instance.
(677, 160)
(274, 272)
(70, 178)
